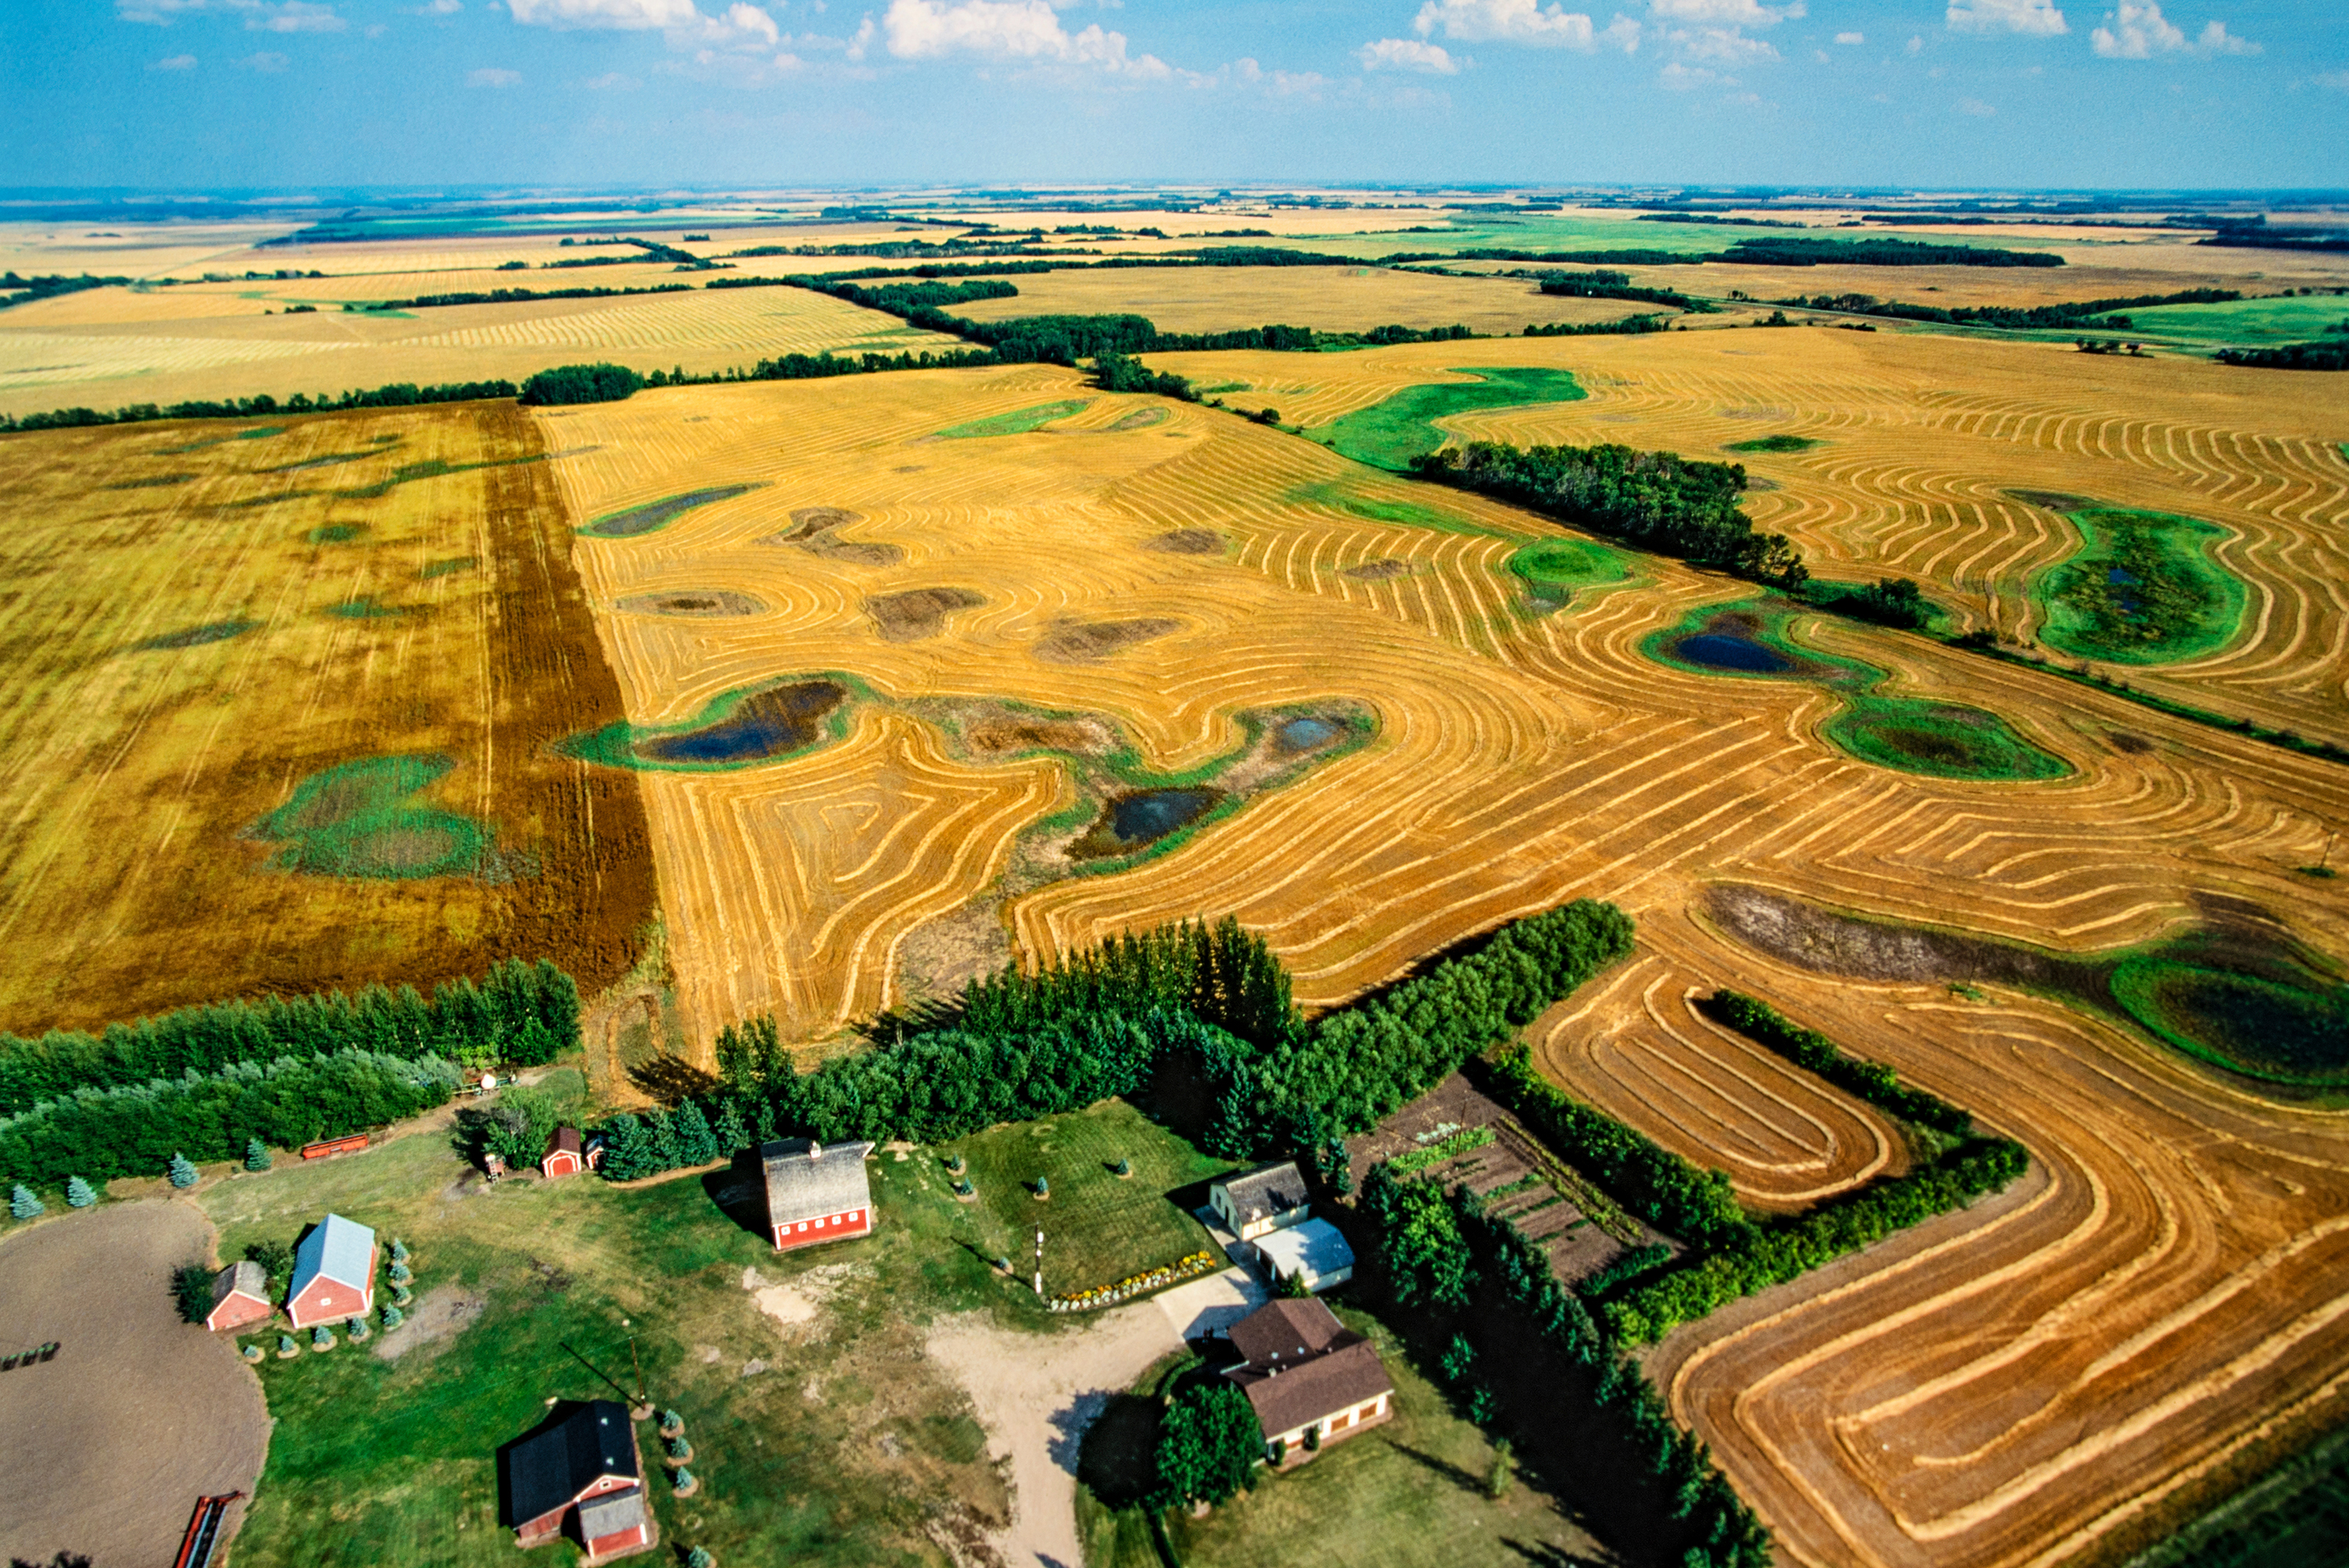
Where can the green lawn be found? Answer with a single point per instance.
(1408, 1495)
(2143, 590)
(1395, 429)
(1099, 1228)
(1553, 570)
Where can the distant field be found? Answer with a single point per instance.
(2244, 321)
(1333, 299)
(209, 355)
(265, 732)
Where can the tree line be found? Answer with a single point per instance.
(2013, 318)
(521, 1012)
(517, 296)
(2289, 356)
(15, 290)
(1771, 251)
(395, 394)
(1604, 283)
(1659, 501)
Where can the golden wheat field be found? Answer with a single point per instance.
(2027, 1380)
(276, 713)
(65, 352)
(1329, 299)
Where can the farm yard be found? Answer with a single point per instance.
(279, 713)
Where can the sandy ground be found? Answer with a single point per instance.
(1035, 1394)
(104, 1450)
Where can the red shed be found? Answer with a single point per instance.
(815, 1194)
(333, 1273)
(581, 1477)
(564, 1155)
(239, 1295)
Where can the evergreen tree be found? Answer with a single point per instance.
(696, 1143)
(667, 1152)
(322, 1336)
(181, 1171)
(734, 1136)
(700, 1557)
(80, 1193)
(399, 1251)
(285, 1345)
(257, 1154)
(627, 1148)
(682, 1481)
(23, 1205)
(192, 1290)
(393, 1317)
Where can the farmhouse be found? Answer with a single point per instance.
(816, 1193)
(333, 1273)
(1312, 1254)
(239, 1295)
(1256, 1201)
(1302, 1370)
(580, 1477)
(567, 1154)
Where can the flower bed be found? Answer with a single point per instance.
(1135, 1285)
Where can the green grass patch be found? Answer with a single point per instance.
(335, 533)
(1221, 387)
(1552, 570)
(261, 434)
(1942, 740)
(158, 481)
(836, 1446)
(1018, 422)
(2240, 324)
(742, 728)
(443, 568)
(362, 819)
(1344, 497)
(1395, 429)
(1778, 443)
(2295, 1515)
(1098, 1227)
(2143, 590)
(657, 514)
(431, 468)
(367, 607)
(2266, 1028)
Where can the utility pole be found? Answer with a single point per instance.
(1039, 1263)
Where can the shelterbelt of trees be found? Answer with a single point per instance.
(2016, 318)
(203, 1080)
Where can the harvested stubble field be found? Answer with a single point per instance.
(112, 347)
(342, 643)
(2046, 1374)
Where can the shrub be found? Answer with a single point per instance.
(682, 1481)
(1313, 1438)
(191, 1290)
(80, 1194)
(276, 1260)
(181, 1171)
(393, 1317)
(1208, 1445)
(322, 1337)
(357, 1329)
(285, 1345)
(597, 382)
(700, 1557)
(257, 1154)
(399, 1251)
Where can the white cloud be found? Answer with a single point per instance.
(1974, 106)
(1522, 22)
(742, 27)
(611, 81)
(1683, 79)
(176, 63)
(2139, 31)
(1280, 84)
(1725, 13)
(1022, 30)
(2032, 18)
(438, 8)
(158, 12)
(265, 62)
(2333, 81)
(1722, 46)
(1851, 38)
(1916, 43)
(1407, 55)
(292, 16)
(631, 15)
(494, 76)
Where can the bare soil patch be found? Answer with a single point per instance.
(111, 1443)
(1187, 542)
(700, 601)
(811, 531)
(439, 1315)
(918, 613)
(1083, 641)
(1376, 570)
(1829, 943)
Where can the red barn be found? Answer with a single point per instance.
(815, 1194)
(581, 1477)
(564, 1156)
(239, 1295)
(333, 1273)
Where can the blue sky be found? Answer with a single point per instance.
(275, 93)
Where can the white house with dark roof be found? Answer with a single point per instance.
(1311, 1252)
(815, 1191)
(333, 1273)
(1269, 1197)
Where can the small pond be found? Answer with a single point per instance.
(1142, 817)
(1731, 650)
(1304, 735)
(765, 723)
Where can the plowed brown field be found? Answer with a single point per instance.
(188, 635)
(2027, 1380)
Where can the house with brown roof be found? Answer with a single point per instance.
(816, 1192)
(582, 1477)
(1268, 1198)
(1302, 1370)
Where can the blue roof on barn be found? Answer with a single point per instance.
(341, 1250)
